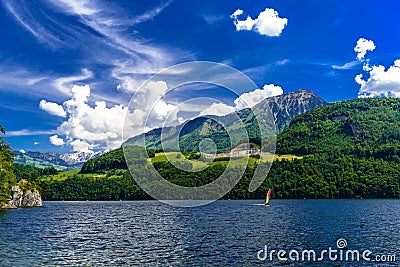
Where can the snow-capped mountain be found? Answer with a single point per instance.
(79, 157)
(50, 159)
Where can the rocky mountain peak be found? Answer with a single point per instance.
(287, 106)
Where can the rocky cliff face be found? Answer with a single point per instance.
(21, 199)
(285, 107)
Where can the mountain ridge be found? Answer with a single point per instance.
(283, 108)
(66, 161)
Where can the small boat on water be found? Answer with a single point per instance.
(267, 197)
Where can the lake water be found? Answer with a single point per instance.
(224, 233)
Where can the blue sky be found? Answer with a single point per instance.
(107, 49)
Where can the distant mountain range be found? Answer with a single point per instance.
(283, 108)
(50, 159)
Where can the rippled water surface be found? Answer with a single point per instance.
(225, 233)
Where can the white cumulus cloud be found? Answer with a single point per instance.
(218, 109)
(81, 146)
(90, 126)
(267, 23)
(363, 45)
(250, 99)
(245, 100)
(99, 126)
(381, 81)
(93, 124)
(55, 140)
(236, 14)
(163, 109)
(52, 108)
(377, 80)
(150, 110)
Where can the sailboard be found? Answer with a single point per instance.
(267, 197)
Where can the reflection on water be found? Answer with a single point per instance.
(225, 233)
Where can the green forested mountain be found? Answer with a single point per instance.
(349, 149)
(7, 177)
(361, 127)
(32, 173)
(111, 160)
